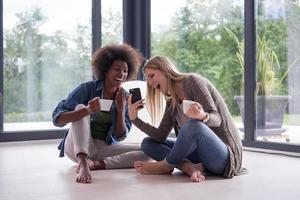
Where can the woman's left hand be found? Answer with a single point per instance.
(120, 100)
(134, 108)
(196, 112)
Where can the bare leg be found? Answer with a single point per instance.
(148, 168)
(195, 171)
(84, 175)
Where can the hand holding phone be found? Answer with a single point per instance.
(136, 94)
(133, 109)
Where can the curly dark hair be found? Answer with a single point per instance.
(104, 57)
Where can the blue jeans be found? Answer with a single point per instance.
(196, 142)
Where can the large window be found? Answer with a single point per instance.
(112, 23)
(200, 36)
(278, 71)
(47, 48)
(207, 37)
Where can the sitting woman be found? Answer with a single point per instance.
(93, 138)
(207, 139)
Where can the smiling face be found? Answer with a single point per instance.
(156, 79)
(117, 74)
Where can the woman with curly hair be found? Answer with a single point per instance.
(93, 138)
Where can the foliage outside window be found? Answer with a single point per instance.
(112, 24)
(198, 41)
(40, 66)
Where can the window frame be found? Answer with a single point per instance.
(135, 9)
(9, 136)
(137, 32)
(250, 86)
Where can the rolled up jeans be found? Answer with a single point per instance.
(196, 142)
(120, 155)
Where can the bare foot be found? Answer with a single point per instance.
(195, 171)
(84, 175)
(96, 164)
(147, 168)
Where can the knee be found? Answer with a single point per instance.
(146, 145)
(84, 122)
(193, 126)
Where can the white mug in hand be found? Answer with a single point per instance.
(105, 104)
(186, 105)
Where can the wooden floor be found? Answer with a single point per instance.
(32, 170)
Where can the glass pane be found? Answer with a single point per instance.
(278, 71)
(203, 37)
(47, 50)
(112, 22)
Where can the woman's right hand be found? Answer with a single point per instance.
(93, 105)
(134, 108)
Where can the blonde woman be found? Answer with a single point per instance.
(207, 139)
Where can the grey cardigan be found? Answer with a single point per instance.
(198, 88)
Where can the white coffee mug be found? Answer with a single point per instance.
(105, 104)
(186, 105)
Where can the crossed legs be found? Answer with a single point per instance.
(93, 154)
(197, 148)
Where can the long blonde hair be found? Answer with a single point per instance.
(155, 100)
